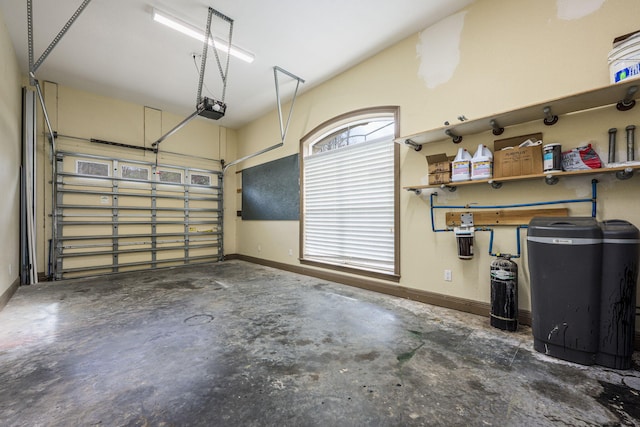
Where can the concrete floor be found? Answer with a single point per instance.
(236, 344)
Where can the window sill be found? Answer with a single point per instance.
(352, 270)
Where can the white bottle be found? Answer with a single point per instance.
(482, 163)
(461, 166)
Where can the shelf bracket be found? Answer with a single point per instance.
(497, 130)
(624, 174)
(495, 184)
(551, 180)
(549, 117)
(450, 188)
(628, 102)
(413, 144)
(457, 139)
(416, 191)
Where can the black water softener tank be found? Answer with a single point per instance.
(620, 257)
(504, 293)
(565, 267)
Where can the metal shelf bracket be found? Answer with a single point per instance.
(628, 102)
(412, 144)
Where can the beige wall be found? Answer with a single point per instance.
(10, 143)
(494, 56)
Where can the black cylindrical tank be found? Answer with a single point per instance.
(504, 293)
(620, 257)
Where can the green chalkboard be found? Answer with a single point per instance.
(271, 191)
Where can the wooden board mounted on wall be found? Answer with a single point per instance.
(504, 217)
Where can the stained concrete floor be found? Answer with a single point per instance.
(236, 344)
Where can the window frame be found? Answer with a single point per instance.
(332, 126)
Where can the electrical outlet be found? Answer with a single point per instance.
(290, 252)
(447, 276)
(10, 269)
(259, 248)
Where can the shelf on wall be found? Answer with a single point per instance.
(611, 94)
(622, 172)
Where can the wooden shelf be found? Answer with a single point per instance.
(549, 177)
(607, 95)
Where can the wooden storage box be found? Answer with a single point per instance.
(517, 161)
(439, 168)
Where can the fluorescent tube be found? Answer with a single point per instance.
(193, 32)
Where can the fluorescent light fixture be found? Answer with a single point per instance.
(193, 32)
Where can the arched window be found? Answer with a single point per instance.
(349, 193)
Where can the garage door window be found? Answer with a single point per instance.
(197, 179)
(92, 168)
(135, 172)
(169, 176)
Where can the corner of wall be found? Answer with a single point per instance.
(10, 147)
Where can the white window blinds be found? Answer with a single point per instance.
(349, 206)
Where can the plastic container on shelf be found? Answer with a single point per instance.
(482, 163)
(461, 166)
(624, 60)
(552, 158)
